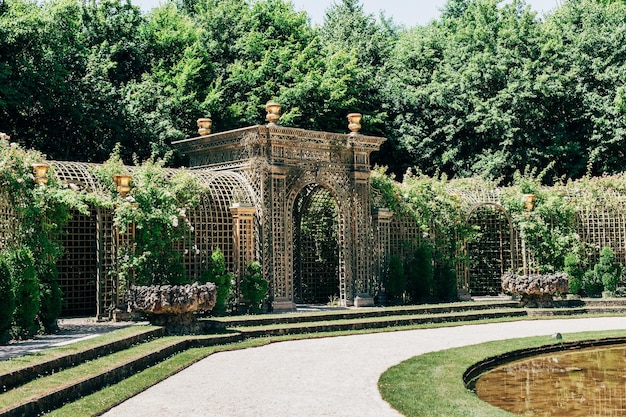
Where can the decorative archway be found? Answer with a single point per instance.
(491, 254)
(318, 252)
(281, 163)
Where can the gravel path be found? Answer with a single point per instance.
(321, 377)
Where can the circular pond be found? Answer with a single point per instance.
(587, 382)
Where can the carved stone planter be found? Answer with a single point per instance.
(173, 306)
(536, 290)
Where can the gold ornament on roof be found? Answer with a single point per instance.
(204, 126)
(122, 181)
(273, 112)
(354, 123)
(41, 173)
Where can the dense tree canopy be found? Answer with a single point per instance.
(488, 88)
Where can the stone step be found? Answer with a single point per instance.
(573, 311)
(220, 323)
(376, 322)
(35, 400)
(27, 373)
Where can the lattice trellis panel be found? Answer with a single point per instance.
(602, 225)
(8, 222)
(77, 175)
(404, 236)
(212, 222)
(316, 259)
(78, 268)
(491, 255)
(106, 261)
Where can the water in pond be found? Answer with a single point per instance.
(585, 383)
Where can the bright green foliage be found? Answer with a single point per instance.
(428, 202)
(354, 46)
(156, 209)
(23, 275)
(7, 306)
(216, 273)
(254, 286)
(51, 297)
(41, 214)
(592, 284)
(420, 274)
(489, 88)
(486, 89)
(575, 273)
(549, 228)
(605, 275)
(396, 281)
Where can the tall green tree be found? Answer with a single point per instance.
(461, 89)
(355, 46)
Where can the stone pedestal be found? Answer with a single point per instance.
(463, 295)
(283, 305)
(364, 300)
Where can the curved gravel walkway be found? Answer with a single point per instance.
(321, 377)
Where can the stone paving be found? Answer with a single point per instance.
(70, 331)
(320, 377)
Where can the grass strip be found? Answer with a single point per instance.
(432, 384)
(15, 364)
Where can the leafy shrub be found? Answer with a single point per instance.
(610, 269)
(7, 306)
(575, 273)
(254, 286)
(51, 297)
(605, 274)
(592, 284)
(23, 274)
(396, 281)
(420, 274)
(157, 207)
(445, 279)
(217, 274)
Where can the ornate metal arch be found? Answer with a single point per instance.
(280, 162)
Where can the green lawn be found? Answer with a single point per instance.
(431, 385)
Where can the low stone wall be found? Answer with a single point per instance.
(536, 290)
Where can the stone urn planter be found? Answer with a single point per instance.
(535, 290)
(174, 307)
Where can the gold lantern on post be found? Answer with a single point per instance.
(204, 126)
(122, 181)
(41, 173)
(273, 112)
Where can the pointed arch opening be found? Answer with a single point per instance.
(316, 244)
(491, 254)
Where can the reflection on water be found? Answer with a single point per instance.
(589, 382)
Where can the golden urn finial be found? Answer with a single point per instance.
(529, 201)
(41, 173)
(273, 112)
(122, 181)
(354, 123)
(204, 126)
